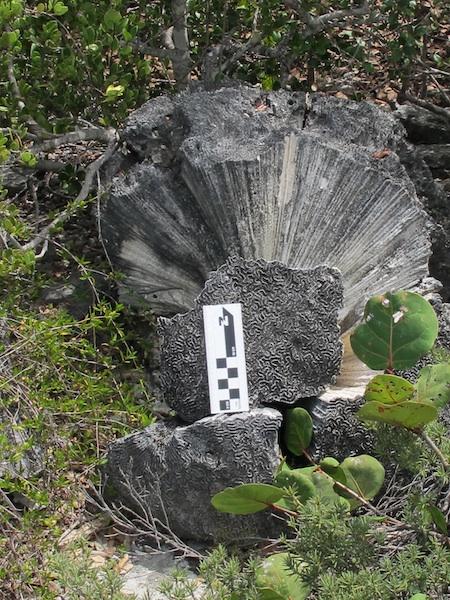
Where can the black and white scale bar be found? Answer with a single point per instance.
(225, 358)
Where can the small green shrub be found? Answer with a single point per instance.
(221, 577)
(412, 570)
(75, 578)
(338, 557)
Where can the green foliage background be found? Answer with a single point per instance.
(74, 58)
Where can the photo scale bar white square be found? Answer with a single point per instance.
(225, 358)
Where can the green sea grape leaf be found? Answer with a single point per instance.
(113, 92)
(332, 467)
(365, 476)
(247, 498)
(282, 467)
(298, 431)
(275, 581)
(324, 486)
(410, 414)
(389, 389)
(60, 9)
(433, 384)
(329, 462)
(294, 478)
(398, 329)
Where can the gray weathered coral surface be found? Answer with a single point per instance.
(280, 177)
(291, 335)
(173, 471)
(337, 431)
(269, 176)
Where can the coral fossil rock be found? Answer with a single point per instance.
(234, 172)
(291, 335)
(172, 472)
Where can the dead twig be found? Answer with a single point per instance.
(316, 24)
(441, 90)
(91, 172)
(141, 520)
(181, 60)
(437, 452)
(98, 134)
(162, 53)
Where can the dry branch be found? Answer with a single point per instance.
(167, 38)
(32, 125)
(52, 166)
(88, 183)
(90, 180)
(333, 18)
(140, 520)
(251, 43)
(153, 51)
(311, 26)
(98, 134)
(176, 44)
(13, 82)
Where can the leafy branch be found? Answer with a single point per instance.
(399, 329)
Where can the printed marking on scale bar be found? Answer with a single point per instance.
(225, 353)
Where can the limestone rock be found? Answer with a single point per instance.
(424, 126)
(149, 571)
(337, 432)
(274, 176)
(356, 123)
(175, 471)
(435, 202)
(291, 335)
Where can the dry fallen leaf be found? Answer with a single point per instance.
(379, 154)
(98, 558)
(391, 94)
(260, 105)
(84, 531)
(53, 587)
(123, 565)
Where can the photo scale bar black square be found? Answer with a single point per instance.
(234, 393)
(232, 372)
(222, 384)
(221, 363)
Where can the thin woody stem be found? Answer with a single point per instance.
(359, 498)
(356, 496)
(283, 510)
(429, 442)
